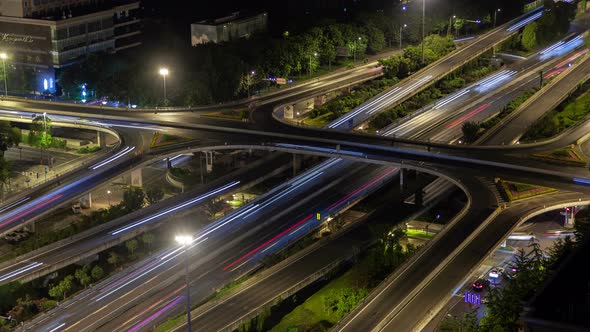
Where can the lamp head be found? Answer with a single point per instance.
(184, 239)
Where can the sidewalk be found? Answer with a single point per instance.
(25, 176)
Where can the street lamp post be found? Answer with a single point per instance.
(185, 241)
(44, 146)
(354, 53)
(495, 15)
(314, 54)
(109, 197)
(164, 72)
(252, 73)
(401, 28)
(423, 25)
(3, 56)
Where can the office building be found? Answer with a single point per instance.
(227, 28)
(40, 36)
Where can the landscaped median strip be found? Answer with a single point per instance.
(516, 190)
(568, 155)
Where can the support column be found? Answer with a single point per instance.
(86, 201)
(296, 164)
(136, 178)
(209, 160)
(570, 218)
(419, 198)
(401, 178)
(100, 139)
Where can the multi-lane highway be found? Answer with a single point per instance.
(225, 249)
(432, 73)
(355, 150)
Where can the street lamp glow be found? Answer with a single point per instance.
(184, 239)
(164, 72)
(4, 56)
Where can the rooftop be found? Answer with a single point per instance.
(236, 16)
(74, 11)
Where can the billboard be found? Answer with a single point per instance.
(26, 43)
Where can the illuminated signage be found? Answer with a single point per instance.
(12, 38)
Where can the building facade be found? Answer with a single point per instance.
(227, 28)
(40, 36)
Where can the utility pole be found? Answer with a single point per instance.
(423, 25)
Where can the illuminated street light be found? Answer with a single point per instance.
(164, 72)
(315, 54)
(354, 53)
(4, 56)
(423, 26)
(185, 241)
(495, 15)
(252, 73)
(400, 34)
(109, 196)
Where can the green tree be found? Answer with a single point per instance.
(148, 239)
(131, 246)
(97, 272)
(9, 136)
(62, 289)
(114, 259)
(133, 199)
(24, 308)
(529, 36)
(154, 194)
(470, 130)
(40, 134)
(467, 322)
(82, 276)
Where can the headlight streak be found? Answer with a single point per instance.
(144, 322)
(361, 188)
(175, 208)
(10, 206)
(57, 327)
(20, 271)
(467, 116)
(490, 83)
(118, 155)
(562, 48)
(361, 108)
(525, 22)
(251, 252)
(300, 225)
(401, 94)
(450, 98)
(319, 149)
(96, 299)
(31, 208)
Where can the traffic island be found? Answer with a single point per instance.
(565, 155)
(514, 191)
(160, 140)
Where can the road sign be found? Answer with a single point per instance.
(281, 80)
(318, 216)
(472, 298)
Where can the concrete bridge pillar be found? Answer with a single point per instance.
(136, 178)
(100, 139)
(209, 161)
(402, 172)
(570, 217)
(86, 201)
